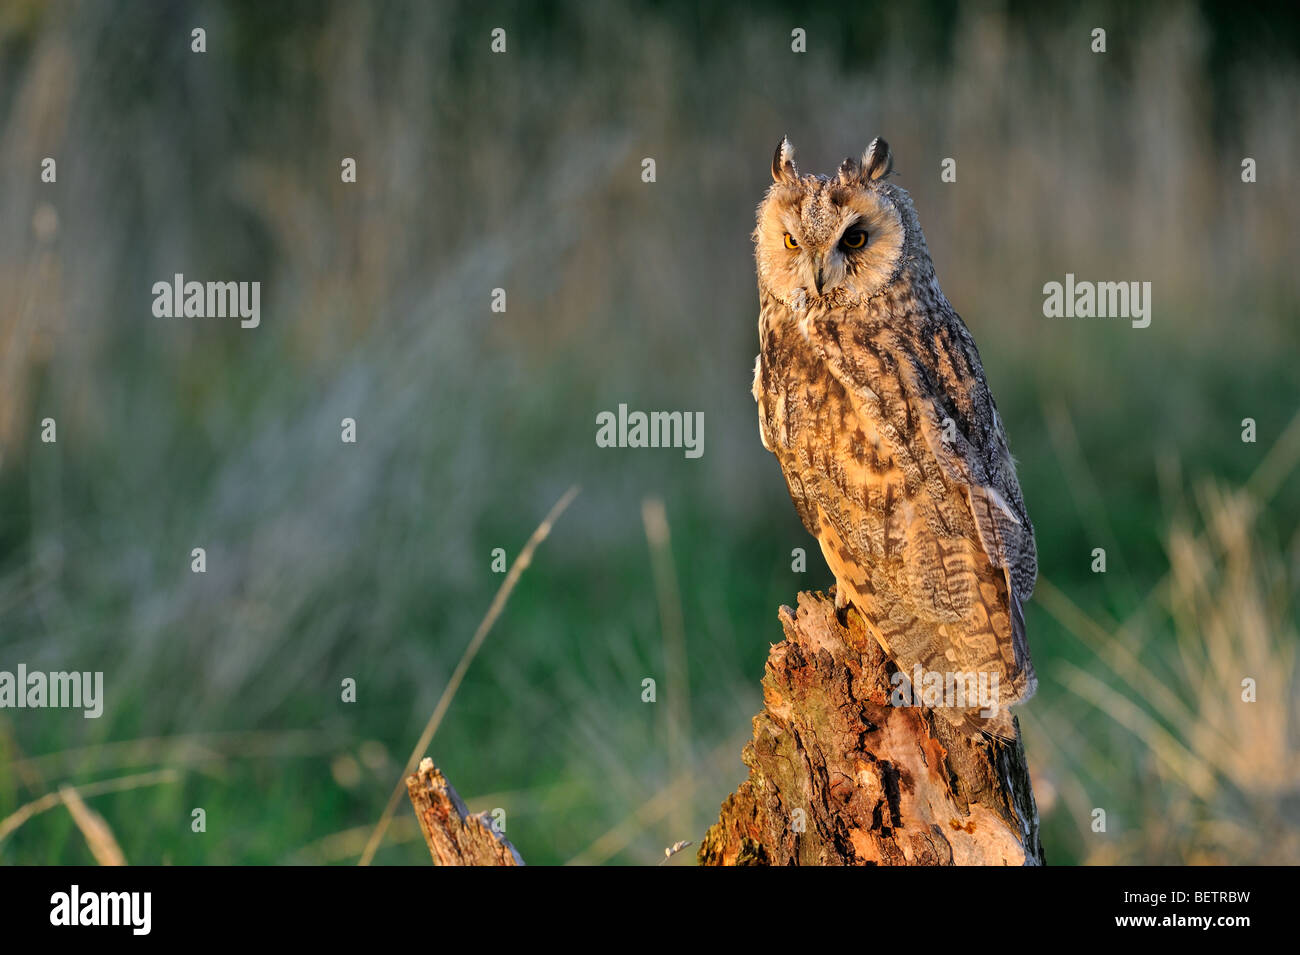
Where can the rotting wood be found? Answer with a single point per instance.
(454, 836)
(839, 776)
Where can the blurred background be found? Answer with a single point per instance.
(522, 171)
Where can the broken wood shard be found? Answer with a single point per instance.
(839, 776)
(453, 835)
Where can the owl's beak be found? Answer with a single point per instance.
(817, 272)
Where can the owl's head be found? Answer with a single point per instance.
(835, 242)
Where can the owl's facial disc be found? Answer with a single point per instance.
(822, 242)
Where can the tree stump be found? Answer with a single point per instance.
(839, 776)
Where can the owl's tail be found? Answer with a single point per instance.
(1000, 726)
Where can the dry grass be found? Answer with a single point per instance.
(1202, 749)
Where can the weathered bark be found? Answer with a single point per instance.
(839, 776)
(453, 835)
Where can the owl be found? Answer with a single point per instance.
(872, 397)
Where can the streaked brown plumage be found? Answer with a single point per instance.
(871, 394)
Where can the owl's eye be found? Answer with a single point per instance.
(854, 239)
(790, 243)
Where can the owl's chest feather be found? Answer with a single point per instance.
(806, 413)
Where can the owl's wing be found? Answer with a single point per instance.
(937, 393)
(981, 464)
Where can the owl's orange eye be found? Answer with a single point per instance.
(790, 243)
(855, 239)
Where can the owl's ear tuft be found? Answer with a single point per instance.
(783, 167)
(877, 161)
(850, 172)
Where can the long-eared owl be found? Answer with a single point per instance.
(871, 394)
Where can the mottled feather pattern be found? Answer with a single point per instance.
(872, 395)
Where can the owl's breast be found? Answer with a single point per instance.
(806, 411)
(861, 484)
(832, 451)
